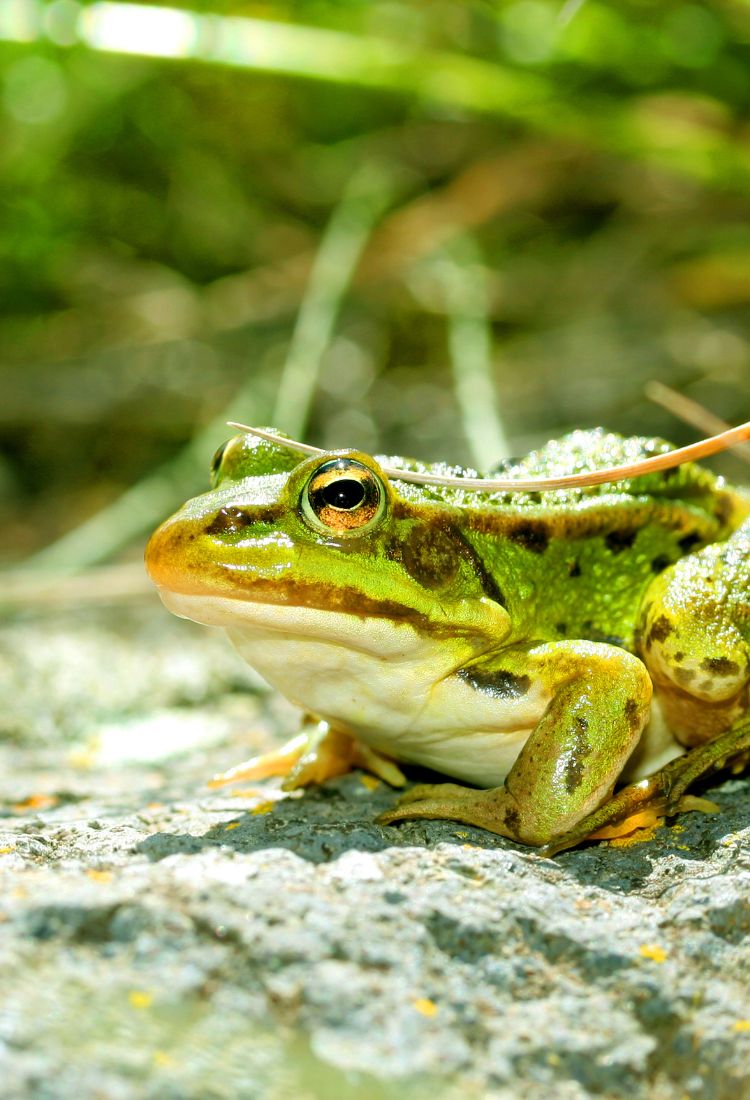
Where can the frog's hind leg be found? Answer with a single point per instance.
(663, 794)
(695, 639)
(314, 755)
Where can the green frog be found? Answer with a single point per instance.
(542, 647)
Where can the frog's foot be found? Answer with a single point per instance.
(279, 762)
(661, 794)
(493, 810)
(312, 757)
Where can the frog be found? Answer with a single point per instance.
(566, 658)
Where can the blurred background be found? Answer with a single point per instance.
(447, 229)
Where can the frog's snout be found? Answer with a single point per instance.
(164, 552)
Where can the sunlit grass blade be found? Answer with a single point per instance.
(460, 271)
(341, 246)
(637, 129)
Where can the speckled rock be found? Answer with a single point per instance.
(162, 941)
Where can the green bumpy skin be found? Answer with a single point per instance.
(511, 640)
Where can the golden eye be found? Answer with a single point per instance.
(343, 497)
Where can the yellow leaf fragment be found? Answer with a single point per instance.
(139, 998)
(8, 848)
(161, 1058)
(425, 1006)
(232, 825)
(652, 951)
(262, 808)
(369, 781)
(100, 876)
(741, 1025)
(35, 802)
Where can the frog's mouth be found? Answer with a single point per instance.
(377, 634)
(265, 595)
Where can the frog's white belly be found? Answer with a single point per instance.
(384, 682)
(393, 688)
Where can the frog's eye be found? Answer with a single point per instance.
(216, 461)
(343, 497)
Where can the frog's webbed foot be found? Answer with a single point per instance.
(493, 810)
(662, 794)
(316, 754)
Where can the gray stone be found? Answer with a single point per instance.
(160, 940)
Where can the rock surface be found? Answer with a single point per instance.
(160, 940)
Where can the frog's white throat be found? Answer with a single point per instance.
(382, 680)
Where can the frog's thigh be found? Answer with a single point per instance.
(694, 634)
(571, 760)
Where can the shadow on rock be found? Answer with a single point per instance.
(320, 826)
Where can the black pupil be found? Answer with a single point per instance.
(345, 494)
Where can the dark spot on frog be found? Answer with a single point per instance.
(573, 773)
(533, 536)
(660, 630)
(679, 656)
(706, 685)
(632, 714)
(428, 554)
(723, 510)
(561, 628)
(469, 554)
(684, 675)
(513, 820)
(720, 666)
(498, 683)
(617, 541)
(689, 542)
(660, 563)
(574, 569)
(432, 555)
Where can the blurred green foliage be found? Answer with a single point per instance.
(581, 168)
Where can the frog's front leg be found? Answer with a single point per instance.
(314, 755)
(570, 762)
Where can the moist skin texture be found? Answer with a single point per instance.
(543, 645)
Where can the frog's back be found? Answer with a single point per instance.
(576, 562)
(687, 497)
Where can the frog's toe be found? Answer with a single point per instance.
(381, 766)
(492, 810)
(423, 791)
(279, 762)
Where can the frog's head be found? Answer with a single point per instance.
(325, 547)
